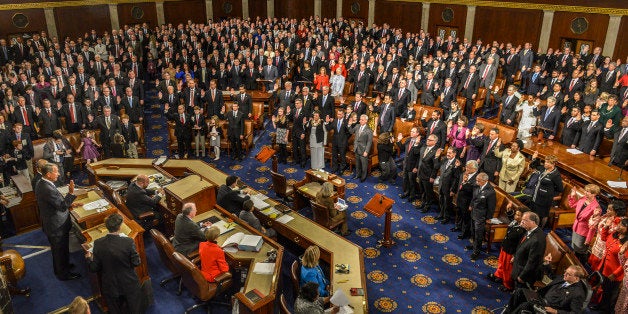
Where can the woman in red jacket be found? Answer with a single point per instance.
(213, 261)
(611, 268)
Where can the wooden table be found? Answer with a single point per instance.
(131, 229)
(88, 219)
(310, 185)
(25, 214)
(191, 189)
(121, 168)
(582, 167)
(266, 284)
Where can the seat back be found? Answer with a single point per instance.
(506, 133)
(588, 295)
(165, 249)
(295, 275)
(279, 183)
(283, 305)
(106, 189)
(321, 214)
(192, 278)
(117, 200)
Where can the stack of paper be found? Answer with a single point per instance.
(101, 203)
(573, 151)
(340, 300)
(264, 268)
(258, 202)
(224, 226)
(284, 219)
(617, 184)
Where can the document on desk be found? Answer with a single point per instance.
(573, 151)
(617, 184)
(258, 202)
(284, 219)
(224, 226)
(101, 203)
(264, 268)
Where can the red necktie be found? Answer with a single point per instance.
(72, 114)
(25, 117)
(182, 120)
(433, 126)
(573, 82)
(466, 84)
(490, 145)
(485, 72)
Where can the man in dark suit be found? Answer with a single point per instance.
(49, 119)
(362, 147)
(549, 118)
(489, 163)
(213, 100)
(191, 97)
(575, 84)
(508, 103)
(362, 80)
(182, 129)
(447, 94)
(131, 106)
(115, 258)
(109, 125)
(536, 81)
(235, 118)
(24, 115)
(572, 127)
(187, 233)
(71, 112)
(510, 65)
(55, 219)
(244, 101)
(386, 115)
(446, 188)
(203, 75)
(299, 117)
(402, 96)
(140, 200)
(250, 76)
(162, 86)
(590, 136)
(435, 126)
(548, 187)
(359, 106)
(287, 96)
(325, 103)
(136, 86)
(565, 294)
(619, 152)
(465, 186)
(469, 87)
(339, 141)
(528, 258)
(410, 162)
(482, 208)
(427, 171)
(230, 197)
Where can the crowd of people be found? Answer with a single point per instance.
(98, 82)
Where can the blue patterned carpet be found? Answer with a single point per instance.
(427, 271)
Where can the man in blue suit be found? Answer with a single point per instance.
(549, 118)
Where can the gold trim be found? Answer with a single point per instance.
(528, 6)
(76, 3)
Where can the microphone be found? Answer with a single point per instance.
(381, 199)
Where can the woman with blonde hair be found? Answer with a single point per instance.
(325, 198)
(591, 91)
(311, 271)
(213, 262)
(79, 306)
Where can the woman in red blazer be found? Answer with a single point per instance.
(213, 261)
(611, 268)
(585, 208)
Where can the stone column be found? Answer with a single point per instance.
(546, 29)
(611, 35)
(245, 8)
(209, 9)
(425, 16)
(50, 22)
(468, 27)
(113, 15)
(270, 8)
(338, 8)
(318, 4)
(161, 17)
(371, 18)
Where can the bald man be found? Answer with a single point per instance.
(139, 200)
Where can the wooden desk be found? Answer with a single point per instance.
(582, 167)
(312, 175)
(88, 219)
(191, 189)
(132, 230)
(310, 185)
(121, 168)
(266, 284)
(25, 214)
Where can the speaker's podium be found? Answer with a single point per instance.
(378, 206)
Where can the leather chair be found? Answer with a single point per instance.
(13, 267)
(146, 220)
(321, 216)
(295, 276)
(165, 249)
(281, 187)
(283, 305)
(194, 281)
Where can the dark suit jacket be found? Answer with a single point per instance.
(570, 133)
(53, 208)
(245, 105)
(236, 124)
(401, 103)
(465, 190)
(186, 94)
(569, 299)
(413, 153)
(388, 122)
(590, 139)
(440, 130)
(552, 120)
(327, 108)
(489, 162)
(230, 199)
(472, 88)
(106, 134)
(619, 153)
(140, 200)
(529, 257)
(549, 186)
(483, 203)
(508, 109)
(134, 112)
(116, 257)
(361, 108)
(187, 235)
(341, 137)
(49, 123)
(181, 130)
(428, 164)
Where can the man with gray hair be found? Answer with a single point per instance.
(482, 208)
(527, 260)
(362, 147)
(187, 233)
(465, 186)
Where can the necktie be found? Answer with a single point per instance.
(191, 98)
(507, 100)
(108, 122)
(400, 93)
(623, 133)
(573, 82)
(433, 126)
(466, 84)
(131, 102)
(547, 113)
(171, 98)
(339, 124)
(182, 119)
(72, 117)
(324, 99)
(383, 114)
(49, 113)
(490, 145)
(590, 126)
(510, 58)
(427, 151)
(569, 122)
(25, 115)
(608, 76)
(534, 76)
(18, 136)
(360, 76)
(485, 72)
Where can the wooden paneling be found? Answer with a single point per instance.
(585, 3)
(258, 8)
(561, 28)
(363, 12)
(76, 21)
(221, 9)
(294, 9)
(506, 25)
(436, 18)
(125, 13)
(406, 15)
(328, 9)
(621, 46)
(36, 18)
(181, 11)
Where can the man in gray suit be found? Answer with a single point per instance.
(488, 73)
(55, 219)
(269, 72)
(287, 96)
(362, 147)
(187, 233)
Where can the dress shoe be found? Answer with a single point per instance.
(504, 289)
(455, 229)
(70, 276)
(493, 278)
(475, 255)
(462, 236)
(71, 266)
(445, 221)
(469, 247)
(404, 195)
(362, 180)
(354, 177)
